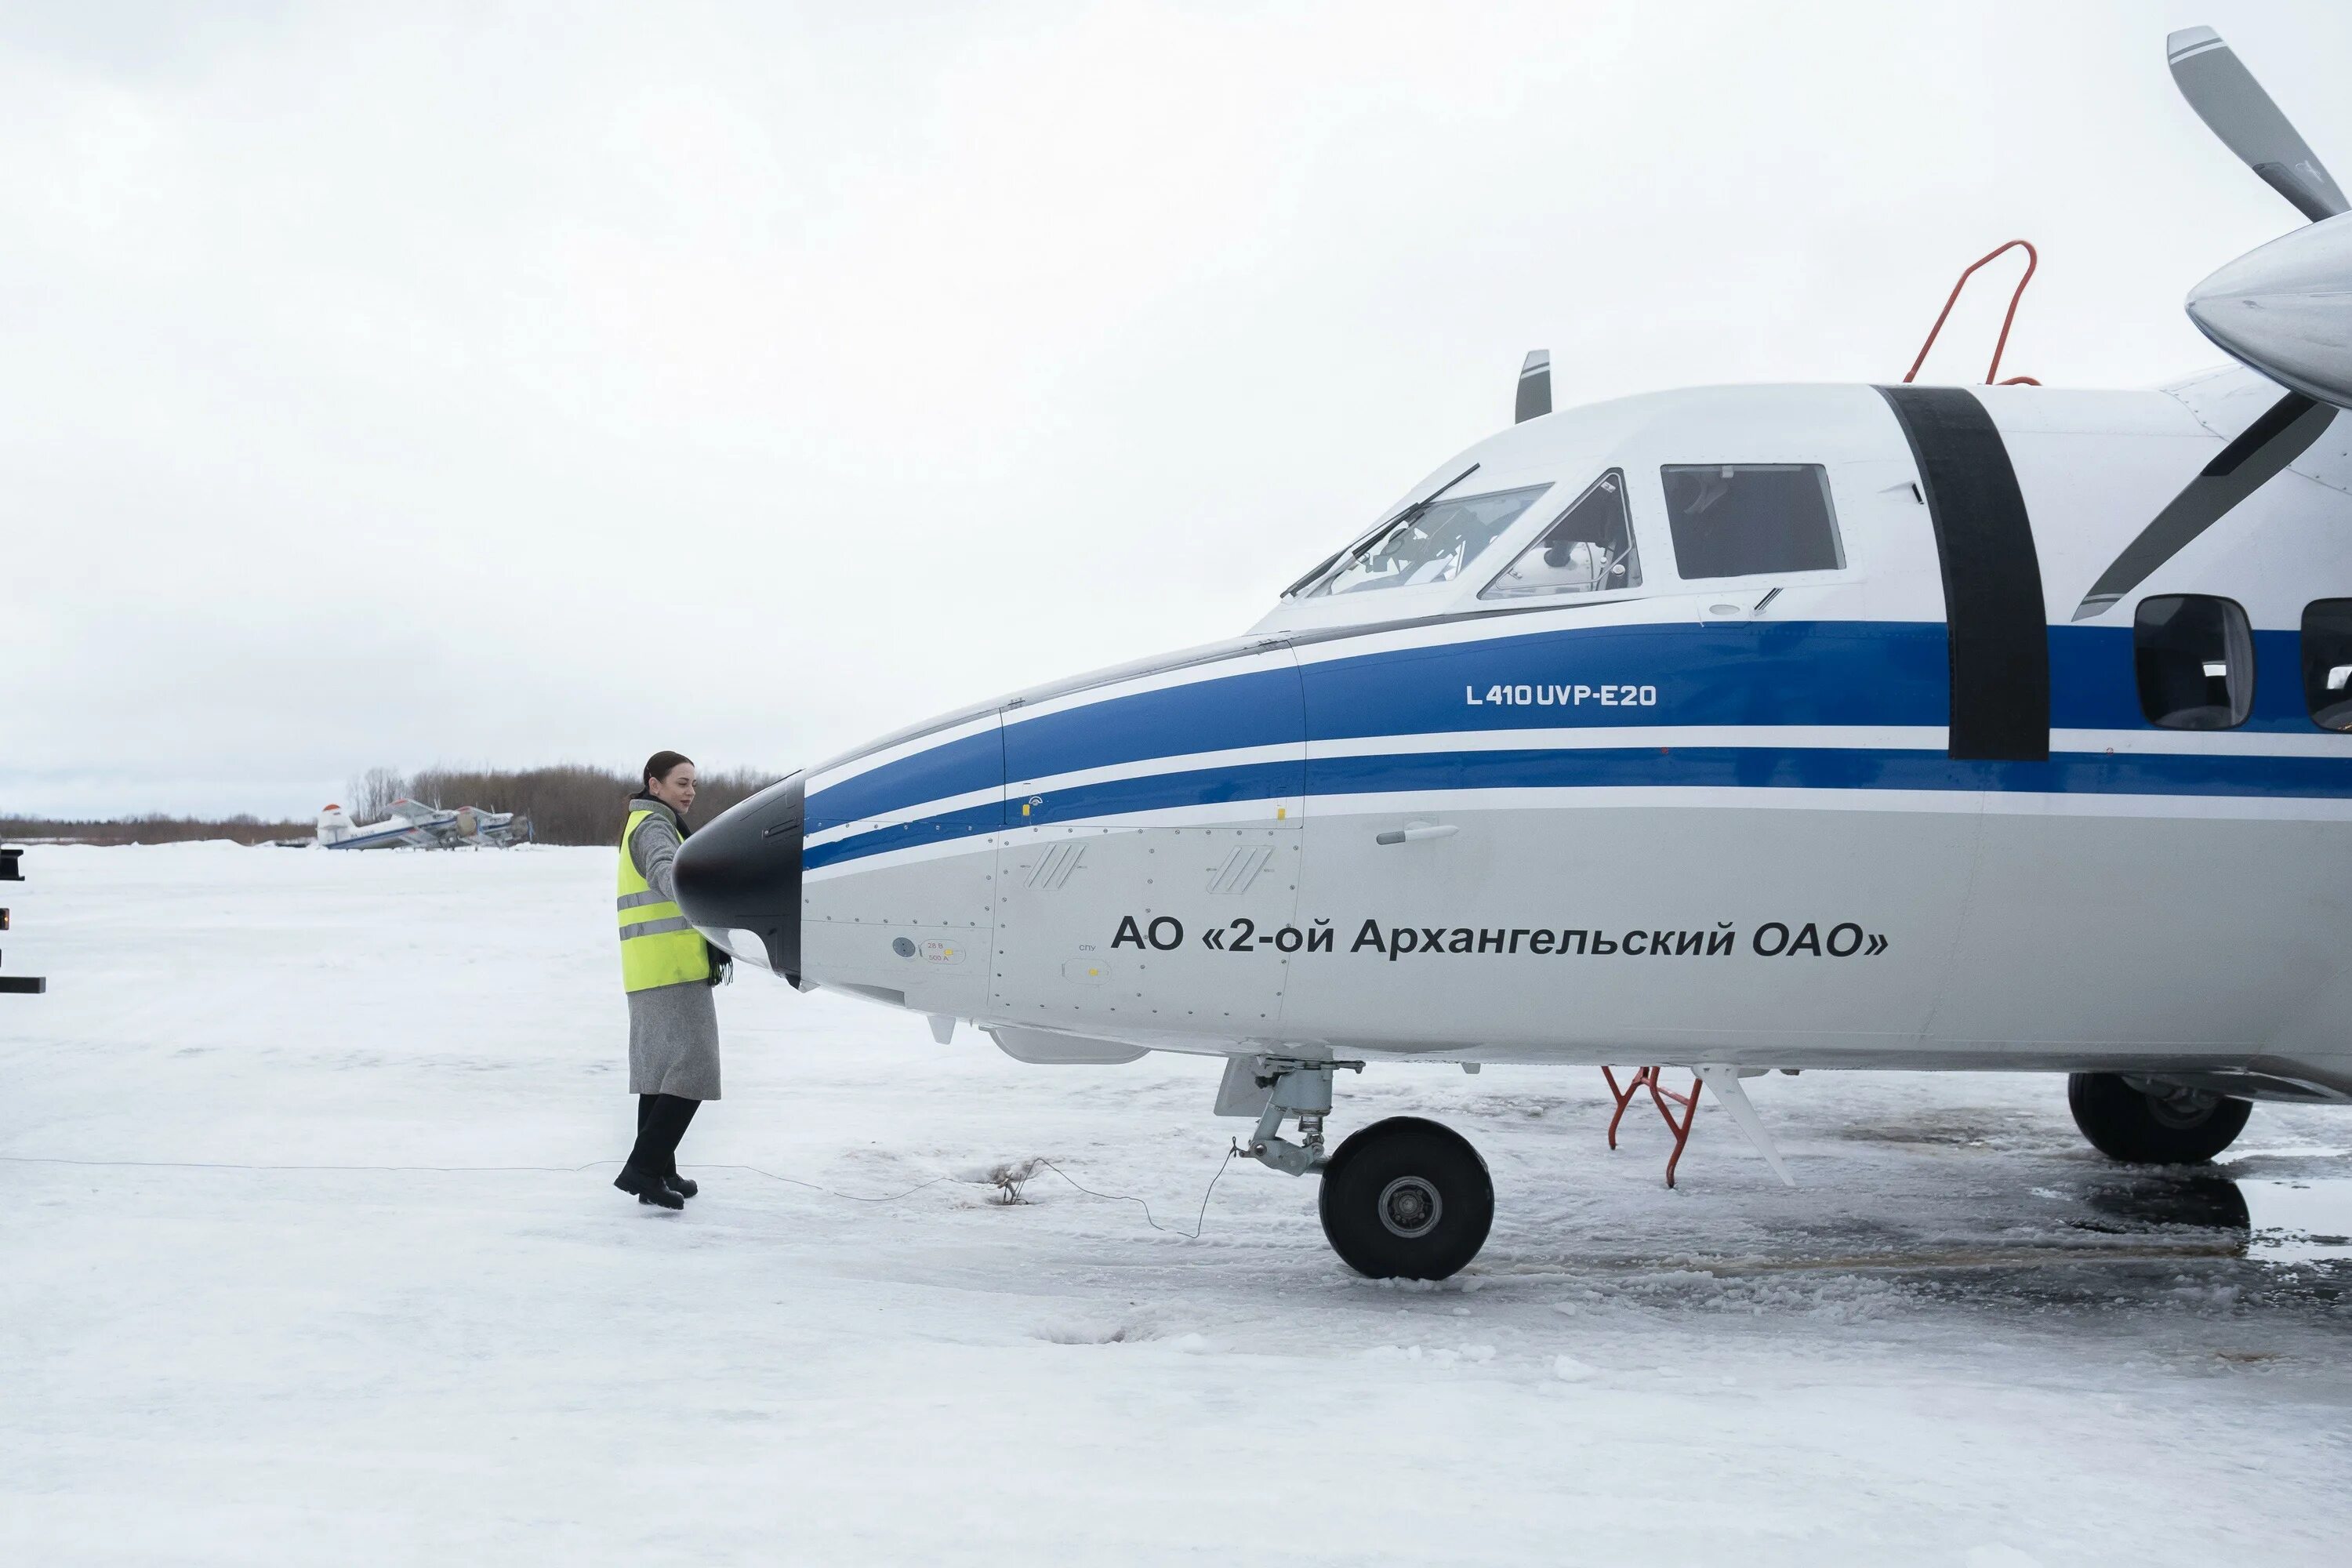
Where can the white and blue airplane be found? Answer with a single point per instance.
(1741, 728)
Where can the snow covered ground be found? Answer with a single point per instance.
(310, 1255)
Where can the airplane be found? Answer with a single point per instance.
(1895, 727)
(410, 824)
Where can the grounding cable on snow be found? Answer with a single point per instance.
(1007, 1176)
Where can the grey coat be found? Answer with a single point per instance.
(673, 1029)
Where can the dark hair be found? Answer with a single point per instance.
(658, 766)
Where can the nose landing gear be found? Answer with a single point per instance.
(1404, 1198)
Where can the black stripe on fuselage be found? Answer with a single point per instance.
(1996, 626)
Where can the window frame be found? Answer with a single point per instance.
(2304, 663)
(2253, 666)
(1552, 521)
(1844, 566)
(1317, 587)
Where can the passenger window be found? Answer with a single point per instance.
(1743, 520)
(2195, 657)
(2327, 662)
(1589, 550)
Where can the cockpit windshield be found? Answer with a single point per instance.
(1427, 544)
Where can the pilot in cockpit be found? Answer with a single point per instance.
(1589, 550)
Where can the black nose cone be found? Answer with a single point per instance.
(743, 872)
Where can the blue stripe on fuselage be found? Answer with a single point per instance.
(1802, 672)
(956, 767)
(1841, 673)
(1681, 767)
(1153, 791)
(2094, 684)
(943, 828)
(1832, 767)
(1257, 708)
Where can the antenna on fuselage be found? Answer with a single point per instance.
(1535, 386)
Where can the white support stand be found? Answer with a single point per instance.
(1725, 1081)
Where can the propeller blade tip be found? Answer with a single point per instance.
(2095, 606)
(2188, 41)
(1535, 386)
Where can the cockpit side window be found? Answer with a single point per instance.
(1429, 543)
(1589, 550)
(1747, 520)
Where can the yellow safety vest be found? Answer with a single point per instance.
(657, 946)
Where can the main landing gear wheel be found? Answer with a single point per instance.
(1407, 1199)
(2181, 1127)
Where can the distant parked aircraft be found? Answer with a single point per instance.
(413, 825)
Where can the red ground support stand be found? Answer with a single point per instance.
(1660, 1096)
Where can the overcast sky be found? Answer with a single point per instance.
(517, 384)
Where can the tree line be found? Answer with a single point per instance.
(152, 829)
(571, 804)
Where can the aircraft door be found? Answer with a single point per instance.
(1146, 880)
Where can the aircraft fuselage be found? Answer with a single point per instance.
(1886, 810)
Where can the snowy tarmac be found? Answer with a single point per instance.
(311, 1257)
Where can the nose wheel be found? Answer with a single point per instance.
(1407, 1199)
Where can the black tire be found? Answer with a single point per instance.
(2123, 1123)
(1406, 1199)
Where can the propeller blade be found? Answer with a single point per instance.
(2261, 451)
(2234, 106)
(1535, 386)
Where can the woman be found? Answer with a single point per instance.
(668, 969)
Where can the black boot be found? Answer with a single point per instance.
(664, 1125)
(648, 1188)
(652, 1170)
